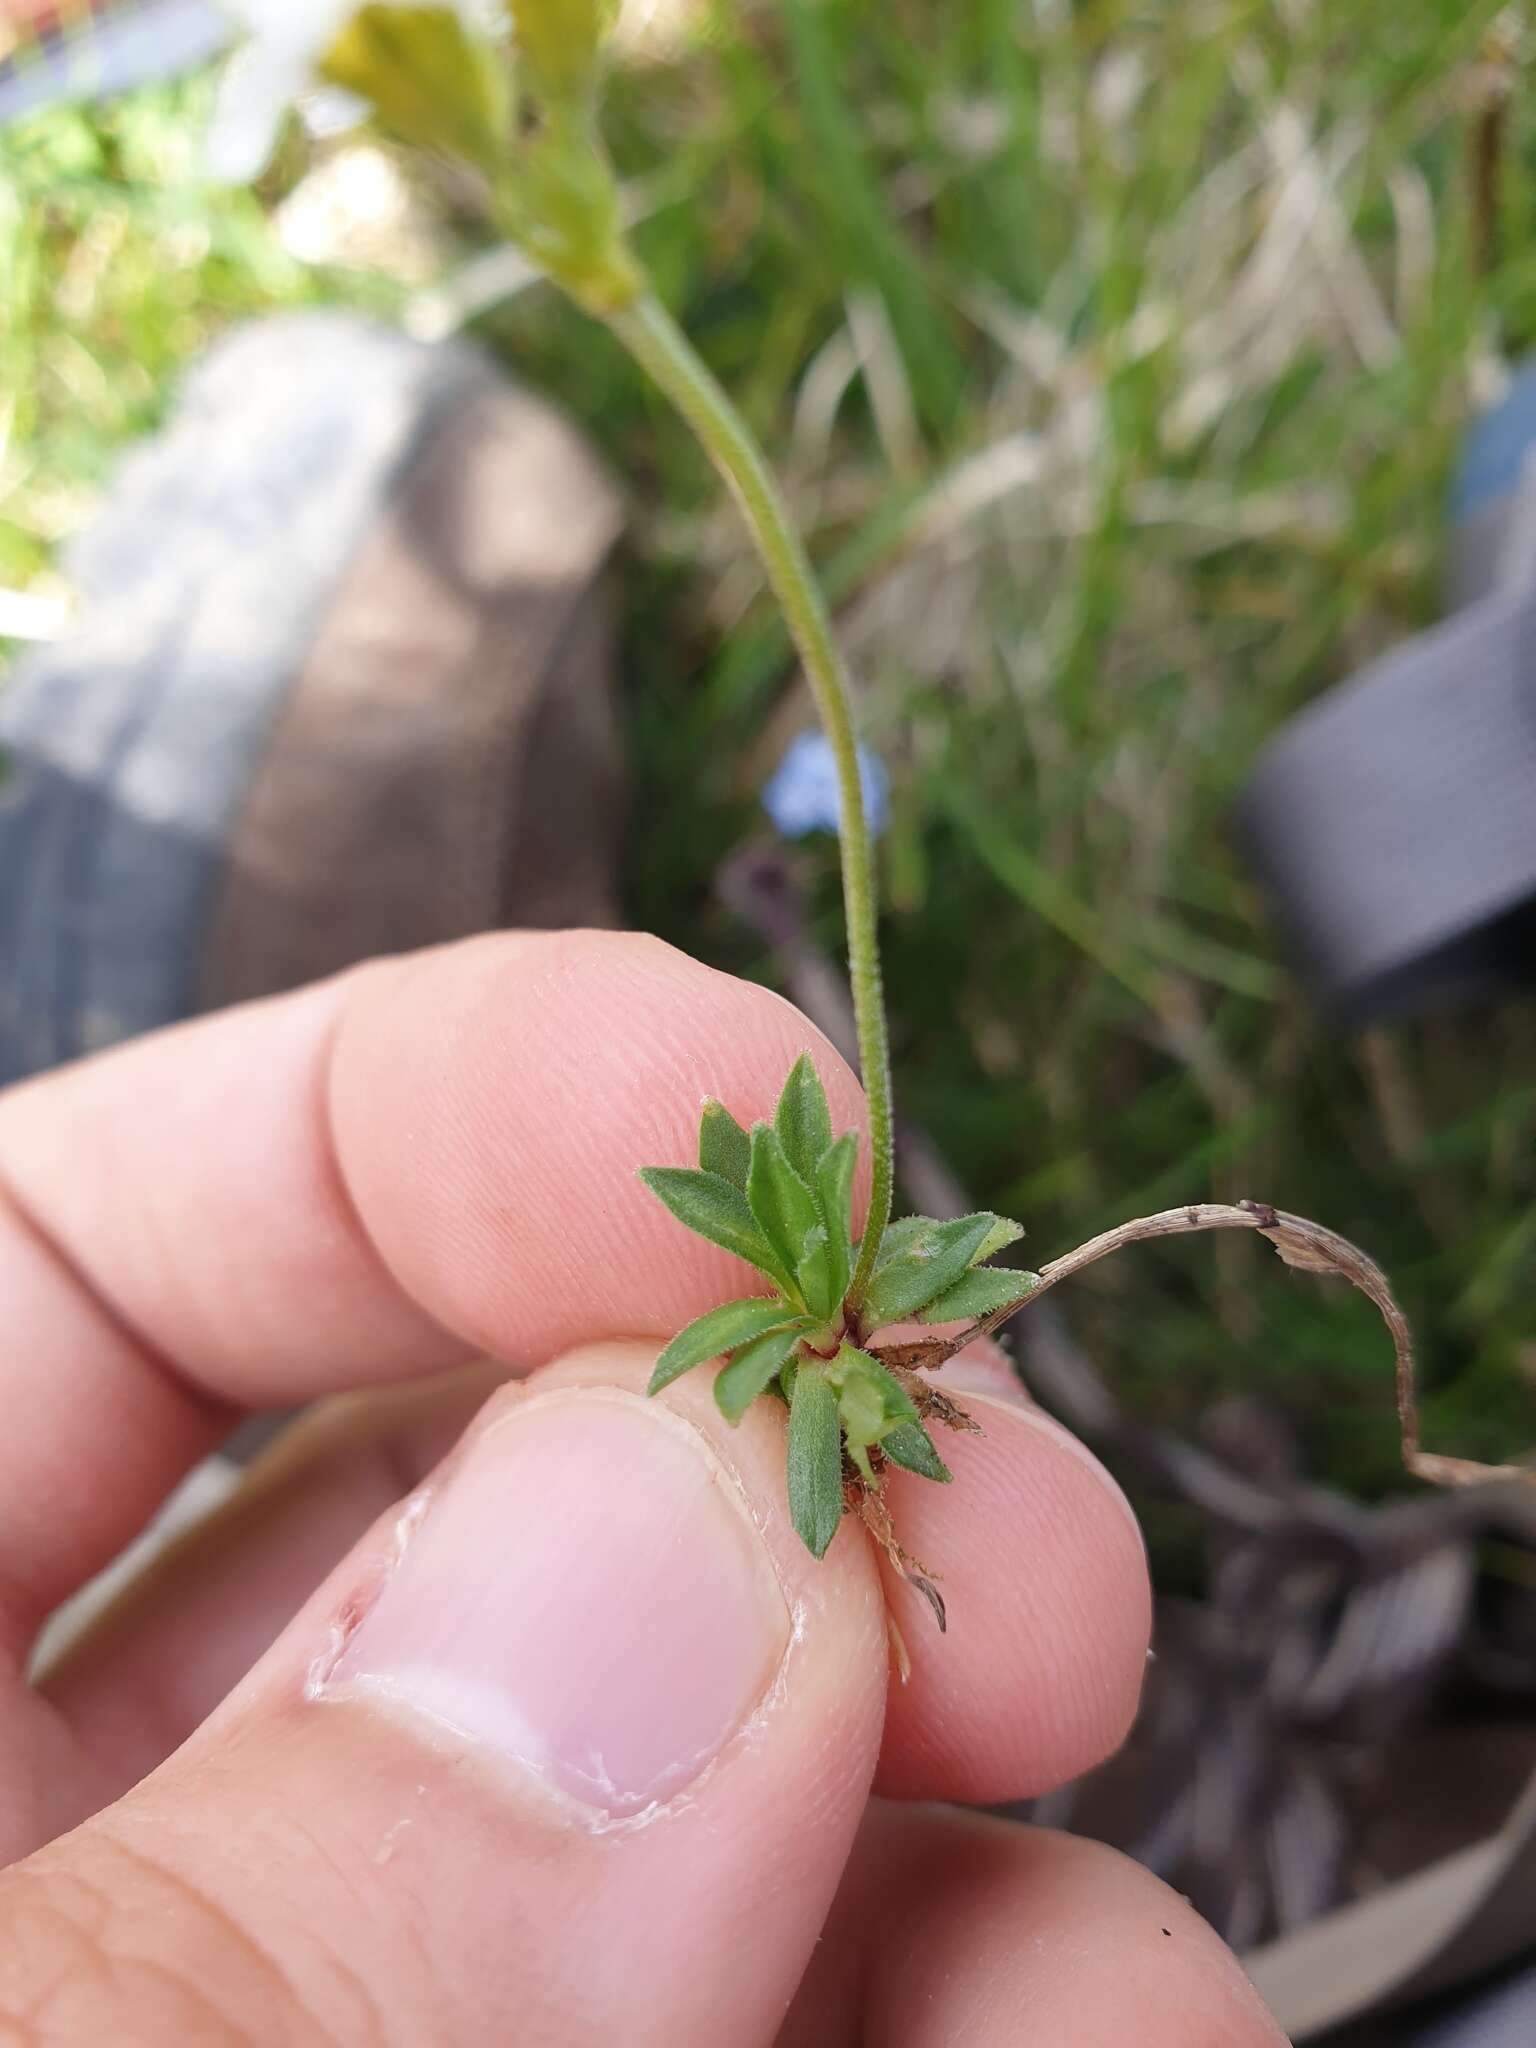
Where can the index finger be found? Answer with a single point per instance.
(436, 1157)
(389, 1172)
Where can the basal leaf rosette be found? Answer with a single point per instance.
(780, 1197)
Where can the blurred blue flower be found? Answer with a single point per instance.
(801, 794)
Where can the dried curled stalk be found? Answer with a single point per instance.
(1308, 1246)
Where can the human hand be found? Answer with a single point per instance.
(575, 1743)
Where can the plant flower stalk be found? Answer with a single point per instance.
(777, 1196)
(664, 351)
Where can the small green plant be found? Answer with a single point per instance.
(780, 1195)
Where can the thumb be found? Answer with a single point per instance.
(572, 1746)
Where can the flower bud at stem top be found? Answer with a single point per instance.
(560, 45)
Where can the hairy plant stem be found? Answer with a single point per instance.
(662, 349)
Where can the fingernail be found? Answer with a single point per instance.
(588, 1597)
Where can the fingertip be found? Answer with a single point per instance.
(578, 1731)
(527, 1077)
(1000, 1919)
(1043, 1572)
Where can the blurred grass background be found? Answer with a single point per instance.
(1115, 355)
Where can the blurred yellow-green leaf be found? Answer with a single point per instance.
(559, 43)
(429, 77)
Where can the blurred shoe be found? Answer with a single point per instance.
(342, 685)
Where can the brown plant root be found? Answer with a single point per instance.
(901, 1656)
(922, 1353)
(871, 1509)
(935, 1406)
(931, 1402)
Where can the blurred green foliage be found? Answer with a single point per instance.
(119, 262)
(1115, 355)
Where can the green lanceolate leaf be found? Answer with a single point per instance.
(559, 42)
(896, 1403)
(834, 1192)
(981, 1292)
(803, 1120)
(815, 1461)
(1003, 1233)
(752, 1371)
(818, 1276)
(927, 1262)
(911, 1447)
(723, 1329)
(430, 78)
(871, 1402)
(900, 1235)
(724, 1147)
(782, 1205)
(713, 1209)
(907, 1231)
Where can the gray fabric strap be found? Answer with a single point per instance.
(1394, 822)
(111, 50)
(1502, 2018)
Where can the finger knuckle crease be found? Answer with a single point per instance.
(137, 1954)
